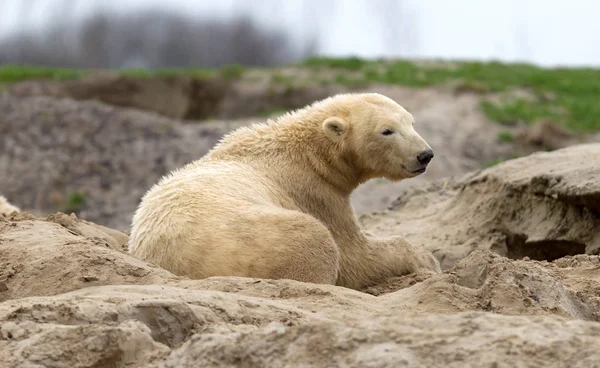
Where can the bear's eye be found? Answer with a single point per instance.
(387, 132)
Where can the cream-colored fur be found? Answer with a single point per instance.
(273, 200)
(6, 207)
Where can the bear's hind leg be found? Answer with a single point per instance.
(300, 248)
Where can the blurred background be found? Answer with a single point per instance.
(100, 98)
(185, 33)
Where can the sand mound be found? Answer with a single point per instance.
(544, 206)
(72, 297)
(142, 326)
(258, 323)
(61, 253)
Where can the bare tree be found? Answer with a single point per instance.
(156, 39)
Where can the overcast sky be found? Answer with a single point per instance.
(546, 32)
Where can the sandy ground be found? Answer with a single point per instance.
(518, 243)
(70, 296)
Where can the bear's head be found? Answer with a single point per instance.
(379, 137)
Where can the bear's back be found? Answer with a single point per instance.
(207, 186)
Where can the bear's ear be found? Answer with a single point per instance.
(335, 127)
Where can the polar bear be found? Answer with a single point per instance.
(272, 200)
(6, 207)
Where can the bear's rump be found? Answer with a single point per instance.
(252, 241)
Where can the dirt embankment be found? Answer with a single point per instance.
(178, 97)
(543, 206)
(71, 296)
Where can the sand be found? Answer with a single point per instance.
(71, 296)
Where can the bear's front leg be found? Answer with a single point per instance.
(381, 258)
(404, 256)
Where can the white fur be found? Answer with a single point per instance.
(6, 207)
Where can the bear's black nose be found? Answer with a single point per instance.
(425, 156)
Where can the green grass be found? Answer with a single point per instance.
(11, 74)
(230, 72)
(352, 63)
(74, 202)
(568, 96)
(283, 79)
(276, 111)
(505, 137)
(491, 163)
(575, 91)
(148, 73)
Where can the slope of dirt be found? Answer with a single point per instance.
(70, 296)
(50, 149)
(543, 206)
(176, 97)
